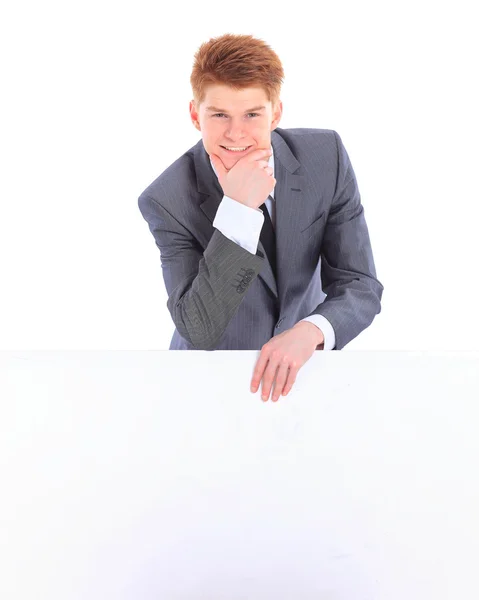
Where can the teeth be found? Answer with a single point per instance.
(236, 149)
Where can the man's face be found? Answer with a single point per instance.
(226, 118)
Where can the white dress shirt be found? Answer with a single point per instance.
(242, 225)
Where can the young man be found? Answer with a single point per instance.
(254, 218)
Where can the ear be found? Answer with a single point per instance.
(194, 115)
(277, 114)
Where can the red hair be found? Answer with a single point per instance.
(239, 61)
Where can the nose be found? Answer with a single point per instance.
(235, 132)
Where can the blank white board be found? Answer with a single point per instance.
(146, 475)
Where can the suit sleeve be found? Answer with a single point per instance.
(205, 288)
(348, 273)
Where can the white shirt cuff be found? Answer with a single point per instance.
(326, 328)
(239, 223)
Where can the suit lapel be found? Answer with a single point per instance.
(288, 206)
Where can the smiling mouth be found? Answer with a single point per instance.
(236, 151)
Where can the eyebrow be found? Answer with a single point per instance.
(222, 110)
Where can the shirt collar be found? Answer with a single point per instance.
(270, 163)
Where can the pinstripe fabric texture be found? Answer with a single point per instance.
(222, 297)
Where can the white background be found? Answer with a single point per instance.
(95, 106)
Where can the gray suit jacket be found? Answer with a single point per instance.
(222, 297)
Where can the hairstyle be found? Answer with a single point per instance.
(239, 61)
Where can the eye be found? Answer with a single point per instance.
(218, 114)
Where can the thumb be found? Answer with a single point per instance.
(218, 164)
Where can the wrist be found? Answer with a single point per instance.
(314, 331)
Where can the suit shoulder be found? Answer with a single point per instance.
(307, 137)
(179, 175)
(306, 142)
(297, 132)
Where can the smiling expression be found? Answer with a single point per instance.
(235, 119)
